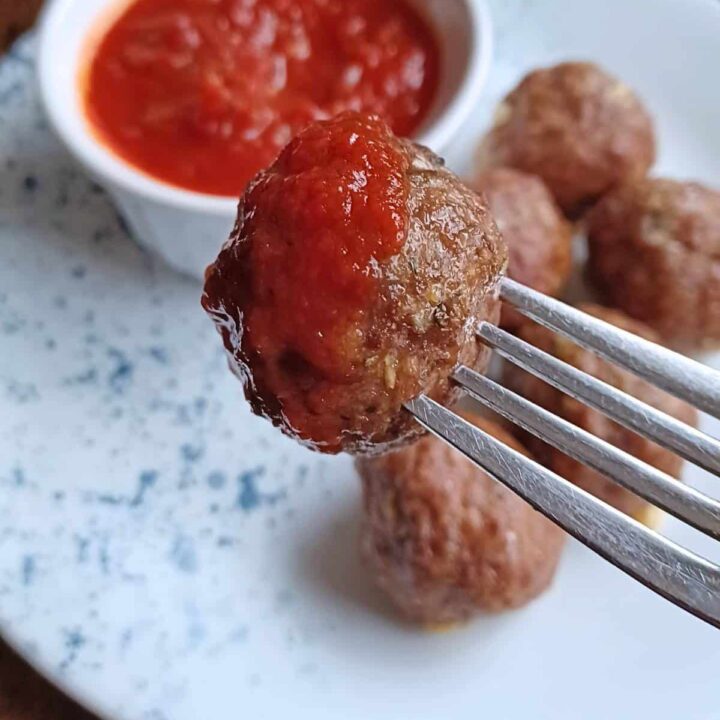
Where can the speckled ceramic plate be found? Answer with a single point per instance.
(165, 555)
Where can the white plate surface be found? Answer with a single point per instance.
(164, 555)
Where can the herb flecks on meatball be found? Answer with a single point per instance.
(575, 126)
(655, 253)
(447, 541)
(353, 281)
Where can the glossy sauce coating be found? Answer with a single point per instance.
(204, 93)
(337, 198)
(357, 271)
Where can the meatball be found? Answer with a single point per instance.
(655, 253)
(445, 540)
(353, 281)
(538, 237)
(593, 421)
(577, 127)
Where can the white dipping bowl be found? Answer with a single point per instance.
(187, 228)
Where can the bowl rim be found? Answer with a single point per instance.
(111, 169)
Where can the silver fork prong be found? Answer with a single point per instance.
(686, 579)
(686, 441)
(685, 378)
(685, 503)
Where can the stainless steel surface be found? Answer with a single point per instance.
(696, 383)
(663, 429)
(686, 579)
(684, 502)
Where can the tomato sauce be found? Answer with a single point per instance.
(202, 94)
(295, 290)
(334, 202)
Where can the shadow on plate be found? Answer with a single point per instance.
(330, 563)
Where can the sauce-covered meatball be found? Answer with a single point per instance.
(353, 281)
(577, 127)
(593, 421)
(655, 253)
(445, 540)
(538, 236)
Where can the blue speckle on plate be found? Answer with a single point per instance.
(159, 354)
(83, 378)
(147, 479)
(217, 479)
(28, 570)
(112, 500)
(121, 374)
(104, 558)
(183, 554)
(74, 641)
(191, 453)
(250, 497)
(82, 548)
(21, 392)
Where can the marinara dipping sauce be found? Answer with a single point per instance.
(202, 94)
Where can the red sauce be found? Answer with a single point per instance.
(334, 202)
(203, 94)
(293, 292)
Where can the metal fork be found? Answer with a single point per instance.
(683, 577)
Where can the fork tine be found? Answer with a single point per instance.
(679, 575)
(695, 508)
(685, 378)
(686, 441)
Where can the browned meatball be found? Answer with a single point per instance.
(353, 281)
(445, 540)
(655, 253)
(538, 236)
(594, 422)
(577, 127)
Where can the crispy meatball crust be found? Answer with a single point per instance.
(655, 253)
(577, 127)
(445, 540)
(594, 422)
(538, 236)
(353, 281)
